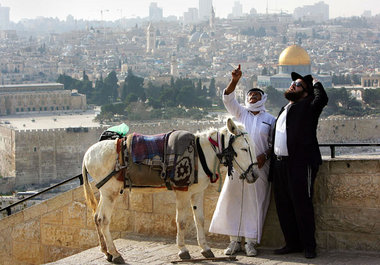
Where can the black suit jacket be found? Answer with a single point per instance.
(301, 128)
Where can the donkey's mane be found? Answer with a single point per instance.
(212, 130)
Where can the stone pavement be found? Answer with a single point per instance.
(140, 250)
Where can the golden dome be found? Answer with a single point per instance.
(294, 55)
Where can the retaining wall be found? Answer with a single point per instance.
(347, 209)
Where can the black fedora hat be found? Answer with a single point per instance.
(308, 79)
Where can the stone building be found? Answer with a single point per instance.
(371, 80)
(150, 39)
(39, 98)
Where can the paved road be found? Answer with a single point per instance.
(136, 251)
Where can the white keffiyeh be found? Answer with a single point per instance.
(258, 106)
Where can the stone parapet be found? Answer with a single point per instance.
(347, 210)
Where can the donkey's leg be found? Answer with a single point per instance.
(103, 246)
(198, 213)
(106, 205)
(182, 206)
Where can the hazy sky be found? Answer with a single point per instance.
(115, 9)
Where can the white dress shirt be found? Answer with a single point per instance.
(280, 139)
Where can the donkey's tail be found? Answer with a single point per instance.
(88, 192)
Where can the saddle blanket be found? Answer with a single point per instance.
(148, 146)
(171, 153)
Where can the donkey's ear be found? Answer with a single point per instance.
(232, 127)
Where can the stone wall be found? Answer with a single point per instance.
(45, 156)
(345, 130)
(7, 152)
(347, 209)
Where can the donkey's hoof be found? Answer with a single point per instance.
(118, 260)
(109, 257)
(184, 254)
(207, 254)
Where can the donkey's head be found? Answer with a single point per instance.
(239, 155)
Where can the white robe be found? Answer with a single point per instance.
(242, 207)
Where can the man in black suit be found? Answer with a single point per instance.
(295, 163)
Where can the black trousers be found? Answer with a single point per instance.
(293, 192)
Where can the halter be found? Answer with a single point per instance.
(228, 154)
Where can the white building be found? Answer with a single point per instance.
(4, 17)
(191, 16)
(318, 12)
(205, 7)
(150, 39)
(237, 10)
(155, 12)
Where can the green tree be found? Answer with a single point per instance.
(212, 88)
(372, 97)
(110, 87)
(275, 99)
(133, 85)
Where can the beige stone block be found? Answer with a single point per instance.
(217, 238)
(320, 196)
(122, 220)
(6, 242)
(90, 218)
(321, 238)
(28, 231)
(324, 169)
(164, 203)
(354, 166)
(9, 260)
(59, 201)
(353, 191)
(27, 252)
(122, 201)
(210, 200)
(272, 237)
(74, 214)
(141, 202)
(353, 242)
(155, 224)
(36, 210)
(54, 217)
(350, 220)
(11, 220)
(271, 220)
(54, 253)
(64, 236)
(88, 238)
(78, 194)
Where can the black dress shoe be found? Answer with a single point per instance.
(310, 253)
(287, 250)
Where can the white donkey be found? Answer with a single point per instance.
(100, 159)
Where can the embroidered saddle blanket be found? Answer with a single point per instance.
(167, 159)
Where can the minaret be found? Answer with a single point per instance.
(174, 65)
(150, 39)
(212, 18)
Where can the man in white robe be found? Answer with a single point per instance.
(242, 207)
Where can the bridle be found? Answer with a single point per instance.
(226, 156)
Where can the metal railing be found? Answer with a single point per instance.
(332, 154)
(9, 207)
(333, 145)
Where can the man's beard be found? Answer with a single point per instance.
(293, 96)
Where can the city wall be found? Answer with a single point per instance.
(45, 156)
(347, 210)
(7, 154)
